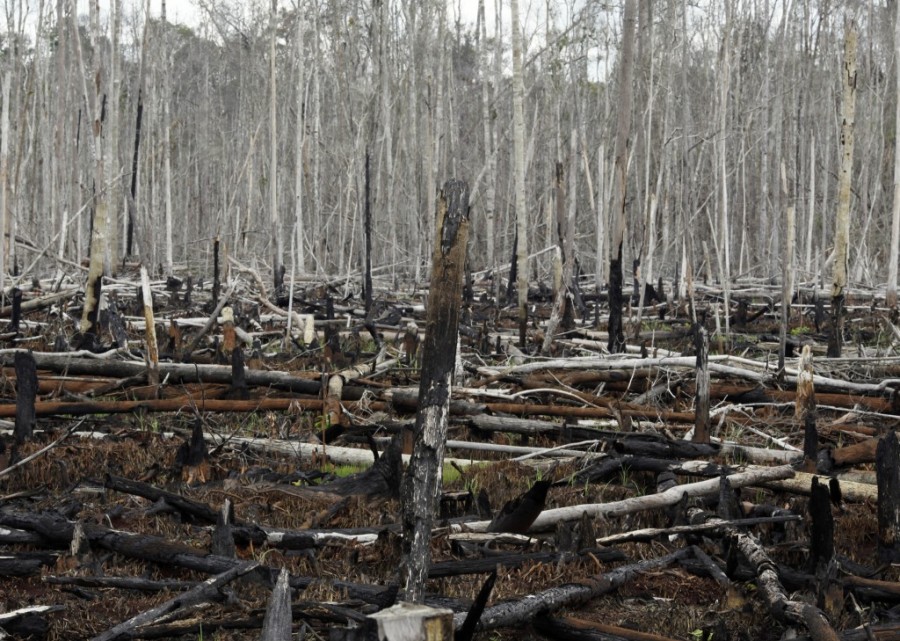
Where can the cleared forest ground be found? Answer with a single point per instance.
(139, 473)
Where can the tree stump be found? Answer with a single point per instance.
(26, 393)
(410, 622)
(421, 484)
(888, 473)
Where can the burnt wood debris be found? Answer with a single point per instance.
(274, 468)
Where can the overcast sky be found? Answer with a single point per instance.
(189, 12)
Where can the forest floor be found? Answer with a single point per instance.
(263, 453)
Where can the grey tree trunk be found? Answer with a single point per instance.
(275, 219)
(422, 481)
(519, 173)
(842, 218)
(616, 341)
(891, 295)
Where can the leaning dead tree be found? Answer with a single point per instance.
(421, 484)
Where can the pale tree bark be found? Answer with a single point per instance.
(723, 237)
(93, 106)
(810, 222)
(275, 219)
(616, 341)
(891, 295)
(489, 155)
(113, 180)
(4, 175)
(842, 218)
(166, 125)
(388, 187)
(299, 158)
(131, 216)
(519, 172)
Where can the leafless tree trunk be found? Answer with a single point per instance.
(519, 172)
(616, 341)
(113, 166)
(842, 218)
(4, 175)
(275, 219)
(166, 124)
(421, 483)
(891, 295)
(93, 106)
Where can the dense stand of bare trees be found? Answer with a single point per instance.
(736, 116)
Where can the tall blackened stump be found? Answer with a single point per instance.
(821, 535)
(616, 341)
(26, 394)
(367, 214)
(805, 408)
(701, 416)
(216, 283)
(421, 483)
(135, 157)
(888, 474)
(16, 310)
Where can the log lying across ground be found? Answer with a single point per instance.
(549, 518)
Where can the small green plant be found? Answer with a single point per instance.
(801, 330)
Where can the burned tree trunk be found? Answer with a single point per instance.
(616, 342)
(701, 422)
(26, 393)
(888, 497)
(421, 484)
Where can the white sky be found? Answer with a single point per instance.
(189, 12)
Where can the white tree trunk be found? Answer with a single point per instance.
(275, 219)
(891, 295)
(166, 125)
(519, 171)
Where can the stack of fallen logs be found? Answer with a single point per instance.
(599, 427)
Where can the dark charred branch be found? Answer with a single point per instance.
(513, 613)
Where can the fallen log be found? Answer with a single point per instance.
(549, 518)
(174, 372)
(191, 509)
(513, 613)
(58, 531)
(574, 629)
(780, 605)
(203, 592)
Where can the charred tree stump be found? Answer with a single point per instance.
(836, 337)
(616, 343)
(805, 409)
(701, 421)
(216, 283)
(152, 347)
(222, 543)
(888, 473)
(821, 537)
(16, 310)
(239, 388)
(421, 483)
(367, 217)
(192, 457)
(26, 393)
(277, 624)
